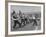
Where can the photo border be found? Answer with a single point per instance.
(6, 17)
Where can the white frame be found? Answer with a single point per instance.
(24, 32)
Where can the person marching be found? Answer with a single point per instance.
(22, 16)
(15, 18)
(34, 20)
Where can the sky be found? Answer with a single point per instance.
(26, 9)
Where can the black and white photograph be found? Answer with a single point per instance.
(25, 18)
